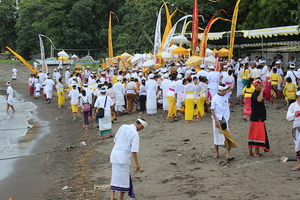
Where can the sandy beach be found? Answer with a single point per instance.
(176, 158)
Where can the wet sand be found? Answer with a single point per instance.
(175, 158)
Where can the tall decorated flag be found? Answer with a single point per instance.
(233, 28)
(157, 35)
(44, 65)
(110, 44)
(195, 27)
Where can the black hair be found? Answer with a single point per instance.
(195, 77)
(183, 81)
(120, 72)
(136, 80)
(143, 82)
(288, 79)
(132, 79)
(172, 77)
(83, 92)
(105, 83)
(274, 70)
(189, 79)
(60, 80)
(109, 85)
(230, 72)
(250, 81)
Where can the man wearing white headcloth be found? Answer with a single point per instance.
(220, 113)
(179, 92)
(214, 79)
(120, 93)
(165, 87)
(9, 97)
(151, 89)
(126, 143)
(202, 72)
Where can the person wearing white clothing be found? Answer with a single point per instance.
(293, 114)
(14, 73)
(126, 143)
(9, 97)
(220, 110)
(293, 74)
(120, 92)
(105, 102)
(165, 87)
(74, 96)
(151, 89)
(213, 78)
(48, 87)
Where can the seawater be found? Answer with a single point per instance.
(18, 131)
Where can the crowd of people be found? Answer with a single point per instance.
(106, 94)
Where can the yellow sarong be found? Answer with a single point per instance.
(200, 105)
(74, 108)
(172, 106)
(189, 108)
(61, 98)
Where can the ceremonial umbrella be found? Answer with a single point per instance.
(63, 54)
(148, 63)
(180, 39)
(167, 56)
(210, 60)
(63, 58)
(180, 50)
(125, 55)
(74, 57)
(193, 61)
(174, 46)
(136, 59)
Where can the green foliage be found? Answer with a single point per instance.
(8, 19)
(83, 24)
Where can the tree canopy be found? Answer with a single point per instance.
(83, 24)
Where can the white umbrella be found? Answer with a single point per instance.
(74, 57)
(136, 59)
(63, 54)
(209, 52)
(167, 56)
(146, 56)
(148, 63)
(174, 46)
(210, 60)
(180, 39)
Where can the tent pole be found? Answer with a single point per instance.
(262, 45)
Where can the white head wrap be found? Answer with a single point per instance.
(220, 87)
(298, 93)
(151, 76)
(211, 67)
(8, 83)
(143, 122)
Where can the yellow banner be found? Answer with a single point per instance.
(110, 45)
(233, 28)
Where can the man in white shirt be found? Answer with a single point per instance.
(126, 143)
(130, 93)
(214, 78)
(9, 97)
(293, 74)
(120, 92)
(14, 73)
(202, 72)
(87, 73)
(74, 96)
(164, 86)
(254, 72)
(151, 89)
(67, 74)
(48, 87)
(264, 70)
